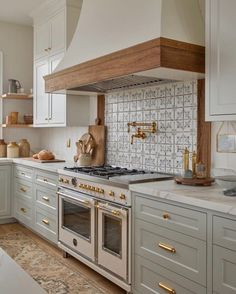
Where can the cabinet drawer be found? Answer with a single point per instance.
(46, 224)
(182, 254)
(148, 276)
(186, 221)
(224, 232)
(23, 189)
(24, 173)
(46, 199)
(23, 211)
(45, 179)
(224, 270)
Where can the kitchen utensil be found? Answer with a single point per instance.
(24, 148)
(99, 135)
(3, 148)
(14, 117)
(13, 85)
(12, 150)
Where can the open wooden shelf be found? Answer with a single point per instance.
(17, 96)
(16, 126)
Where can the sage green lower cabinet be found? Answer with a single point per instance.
(5, 191)
(35, 200)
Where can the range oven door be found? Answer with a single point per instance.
(113, 232)
(77, 222)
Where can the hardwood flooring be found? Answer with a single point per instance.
(73, 263)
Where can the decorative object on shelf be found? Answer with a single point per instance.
(13, 86)
(85, 147)
(12, 150)
(28, 119)
(226, 142)
(8, 119)
(14, 117)
(141, 133)
(3, 148)
(24, 148)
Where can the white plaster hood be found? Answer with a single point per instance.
(107, 26)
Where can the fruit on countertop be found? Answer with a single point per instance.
(44, 155)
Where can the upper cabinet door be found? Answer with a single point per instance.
(58, 33)
(57, 102)
(42, 43)
(41, 101)
(221, 60)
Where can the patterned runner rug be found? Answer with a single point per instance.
(45, 267)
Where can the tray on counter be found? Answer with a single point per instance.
(44, 161)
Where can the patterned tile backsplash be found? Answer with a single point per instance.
(174, 108)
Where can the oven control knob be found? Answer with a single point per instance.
(60, 180)
(80, 185)
(97, 190)
(75, 242)
(86, 187)
(111, 193)
(89, 187)
(101, 191)
(92, 188)
(66, 181)
(122, 196)
(74, 182)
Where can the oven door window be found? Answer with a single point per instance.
(76, 218)
(112, 234)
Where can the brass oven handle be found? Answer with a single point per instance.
(113, 211)
(23, 210)
(45, 221)
(166, 288)
(167, 247)
(45, 198)
(23, 189)
(87, 202)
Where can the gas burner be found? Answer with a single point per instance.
(105, 171)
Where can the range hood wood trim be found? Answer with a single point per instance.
(159, 52)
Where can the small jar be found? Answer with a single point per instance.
(24, 148)
(14, 117)
(12, 150)
(3, 148)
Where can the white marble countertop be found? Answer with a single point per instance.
(13, 279)
(52, 167)
(204, 197)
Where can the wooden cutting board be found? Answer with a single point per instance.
(99, 135)
(45, 161)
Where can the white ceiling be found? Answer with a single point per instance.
(17, 11)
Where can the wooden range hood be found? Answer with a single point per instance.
(156, 41)
(154, 61)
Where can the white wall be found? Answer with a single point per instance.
(222, 160)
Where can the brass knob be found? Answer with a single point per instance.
(66, 181)
(89, 187)
(101, 191)
(23, 210)
(81, 185)
(86, 187)
(92, 188)
(45, 221)
(111, 193)
(166, 216)
(45, 180)
(45, 198)
(60, 180)
(97, 189)
(23, 189)
(122, 196)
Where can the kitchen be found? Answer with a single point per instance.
(152, 98)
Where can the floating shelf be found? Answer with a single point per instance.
(17, 96)
(16, 126)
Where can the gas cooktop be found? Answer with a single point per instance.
(117, 174)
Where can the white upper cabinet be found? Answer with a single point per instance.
(50, 36)
(220, 60)
(54, 26)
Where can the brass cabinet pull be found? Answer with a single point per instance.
(45, 198)
(23, 174)
(45, 180)
(23, 210)
(166, 216)
(167, 247)
(115, 212)
(45, 221)
(23, 189)
(166, 288)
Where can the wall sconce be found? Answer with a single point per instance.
(141, 133)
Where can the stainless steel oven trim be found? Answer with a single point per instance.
(103, 235)
(73, 232)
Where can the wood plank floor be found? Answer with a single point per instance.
(71, 262)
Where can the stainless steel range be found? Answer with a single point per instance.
(95, 217)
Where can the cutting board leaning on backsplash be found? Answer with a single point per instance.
(99, 134)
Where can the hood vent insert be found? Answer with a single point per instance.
(127, 82)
